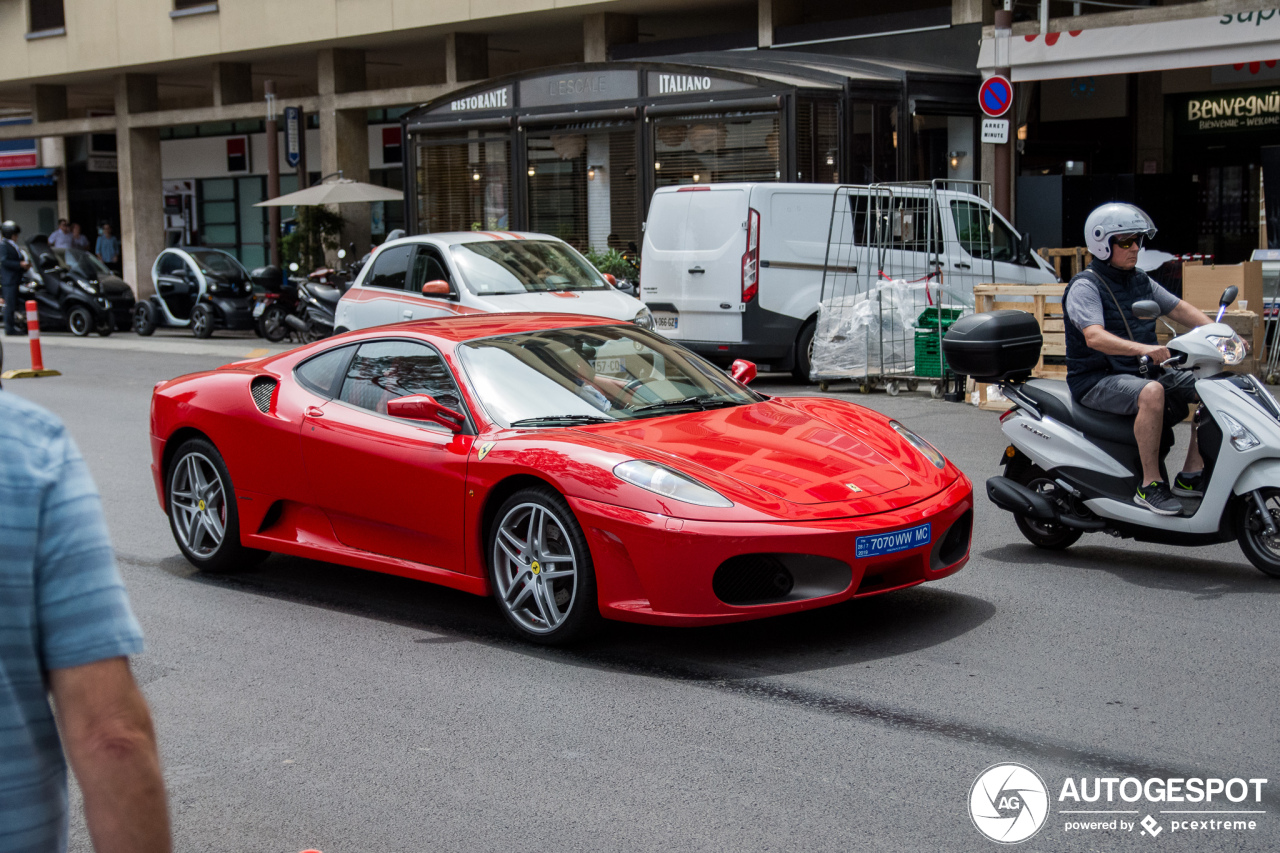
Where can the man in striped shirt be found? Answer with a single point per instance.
(65, 633)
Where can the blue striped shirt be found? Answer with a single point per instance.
(62, 604)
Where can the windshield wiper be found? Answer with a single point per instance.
(547, 420)
(698, 402)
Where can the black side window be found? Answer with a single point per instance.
(384, 370)
(171, 264)
(322, 372)
(390, 268)
(427, 266)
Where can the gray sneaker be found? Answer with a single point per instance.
(1156, 497)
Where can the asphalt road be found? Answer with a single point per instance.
(307, 705)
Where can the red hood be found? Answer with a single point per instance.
(778, 449)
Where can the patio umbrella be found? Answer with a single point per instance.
(341, 191)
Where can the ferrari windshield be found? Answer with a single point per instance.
(563, 377)
(498, 267)
(219, 263)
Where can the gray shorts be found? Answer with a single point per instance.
(1119, 392)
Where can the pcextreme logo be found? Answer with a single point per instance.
(1009, 803)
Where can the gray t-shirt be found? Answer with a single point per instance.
(1084, 301)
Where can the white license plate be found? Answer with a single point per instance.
(665, 321)
(259, 308)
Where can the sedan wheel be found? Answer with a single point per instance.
(202, 512)
(541, 569)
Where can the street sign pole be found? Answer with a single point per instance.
(1001, 181)
(273, 175)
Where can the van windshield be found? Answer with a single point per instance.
(980, 234)
(499, 267)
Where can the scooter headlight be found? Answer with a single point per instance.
(926, 449)
(87, 285)
(1234, 349)
(1241, 438)
(669, 483)
(644, 319)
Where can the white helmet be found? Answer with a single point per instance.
(1111, 219)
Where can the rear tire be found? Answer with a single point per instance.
(202, 510)
(1043, 534)
(144, 318)
(804, 352)
(80, 321)
(202, 321)
(271, 324)
(1262, 550)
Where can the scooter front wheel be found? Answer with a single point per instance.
(1262, 550)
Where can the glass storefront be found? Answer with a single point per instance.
(717, 149)
(582, 185)
(465, 184)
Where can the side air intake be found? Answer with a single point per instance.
(262, 387)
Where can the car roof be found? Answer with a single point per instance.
(470, 327)
(472, 237)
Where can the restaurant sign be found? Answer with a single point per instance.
(493, 99)
(569, 90)
(664, 83)
(1218, 112)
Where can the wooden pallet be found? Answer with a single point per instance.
(1078, 258)
(1045, 305)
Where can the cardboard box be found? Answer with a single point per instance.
(1202, 286)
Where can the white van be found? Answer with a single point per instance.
(735, 270)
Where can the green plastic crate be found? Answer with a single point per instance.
(929, 358)
(928, 318)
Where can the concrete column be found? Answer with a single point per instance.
(232, 83)
(776, 13)
(49, 103)
(141, 188)
(1149, 144)
(603, 30)
(466, 57)
(344, 139)
(972, 12)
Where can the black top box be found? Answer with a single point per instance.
(995, 346)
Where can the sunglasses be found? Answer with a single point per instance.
(1128, 242)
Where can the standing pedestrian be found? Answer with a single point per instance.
(108, 248)
(61, 237)
(12, 266)
(65, 631)
(78, 240)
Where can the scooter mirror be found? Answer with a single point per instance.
(1228, 296)
(1146, 309)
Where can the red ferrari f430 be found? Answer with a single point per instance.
(573, 468)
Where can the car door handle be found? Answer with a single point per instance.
(697, 270)
(961, 265)
(407, 314)
(315, 412)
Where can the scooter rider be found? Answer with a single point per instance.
(1105, 342)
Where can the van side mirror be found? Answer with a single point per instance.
(1228, 296)
(1146, 309)
(439, 287)
(743, 371)
(1024, 249)
(423, 407)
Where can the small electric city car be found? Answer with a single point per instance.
(571, 467)
(74, 290)
(451, 273)
(203, 289)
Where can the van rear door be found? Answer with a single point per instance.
(692, 278)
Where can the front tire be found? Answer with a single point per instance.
(202, 510)
(202, 321)
(1262, 550)
(80, 321)
(541, 570)
(1043, 534)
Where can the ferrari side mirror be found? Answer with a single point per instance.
(423, 407)
(743, 371)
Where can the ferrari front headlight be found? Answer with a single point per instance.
(669, 483)
(1234, 349)
(926, 449)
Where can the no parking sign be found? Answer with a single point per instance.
(995, 96)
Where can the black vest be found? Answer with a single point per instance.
(1086, 366)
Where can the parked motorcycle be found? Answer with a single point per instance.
(74, 290)
(276, 301)
(317, 303)
(1071, 470)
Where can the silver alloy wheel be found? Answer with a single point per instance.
(535, 567)
(200, 321)
(198, 503)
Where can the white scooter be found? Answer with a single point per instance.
(1071, 470)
